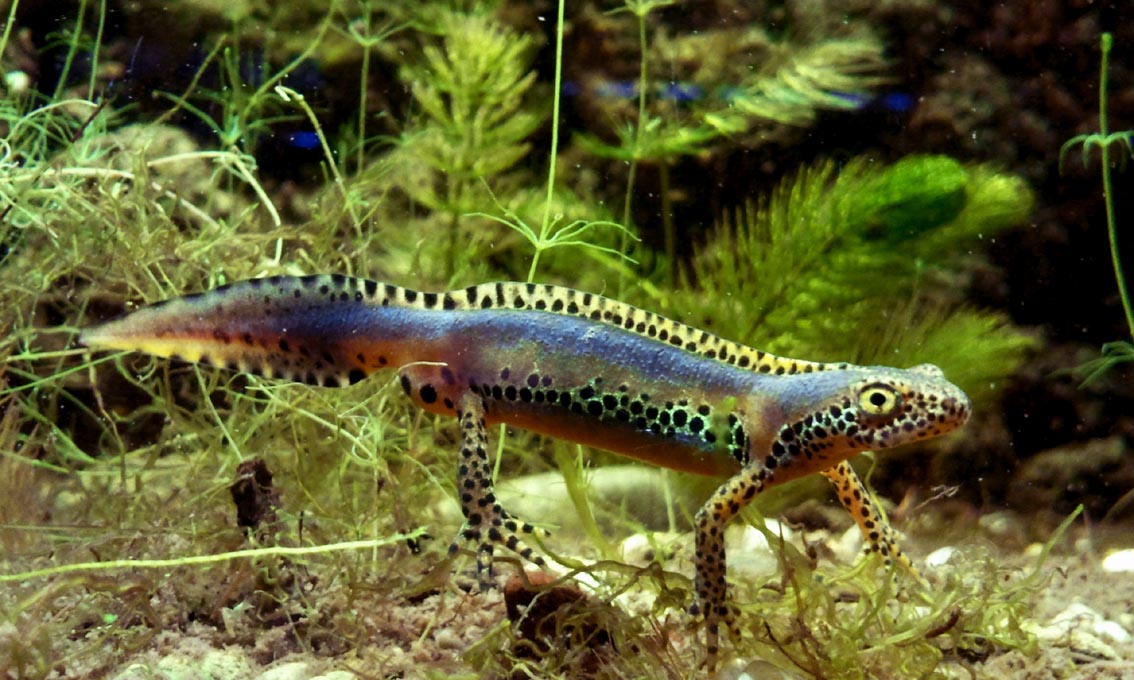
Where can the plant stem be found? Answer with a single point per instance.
(94, 50)
(365, 78)
(8, 25)
(71, 50)
(668, 230)
(546, 225)
(1106, 42)
(643, 73)
(290, 95)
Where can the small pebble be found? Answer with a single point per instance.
(17, 82)
(1078, 615)
(292, 670)
(447, 638)
(848, 547)
(940, 557)
(1119, 561)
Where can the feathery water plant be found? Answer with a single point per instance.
(475, 93)
(789, 87)
(839, 264)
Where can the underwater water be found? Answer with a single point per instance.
(732, 227)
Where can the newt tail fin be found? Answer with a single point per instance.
(315, 329)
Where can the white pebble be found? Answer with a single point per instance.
(1119, 561)
(17, 82)
(940, 557)
(1078, 615)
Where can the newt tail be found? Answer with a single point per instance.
(573, 365)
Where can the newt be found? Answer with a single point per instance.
(573, 365)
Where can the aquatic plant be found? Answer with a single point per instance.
(1121, 351)
(248, 110)
(474, 89)
(785, 83)
(860, 263)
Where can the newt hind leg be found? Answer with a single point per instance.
(712, 589)
(878, 536)
(487, 524)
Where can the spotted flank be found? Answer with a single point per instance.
(573, 365)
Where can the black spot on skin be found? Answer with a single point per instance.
(595, 408)
(429, 300)
(356, 375)
(284, 347)
(371, 287)
(428, 394)
(406, 385)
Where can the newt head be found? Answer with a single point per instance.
(830, 416)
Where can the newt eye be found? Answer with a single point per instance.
(879, 400)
